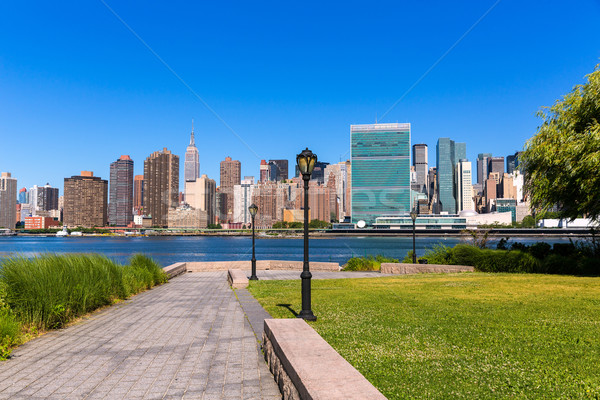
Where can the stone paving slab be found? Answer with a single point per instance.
(186, 339)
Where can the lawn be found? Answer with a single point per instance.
(471, 335)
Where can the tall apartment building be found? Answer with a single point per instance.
(448, 153)
(201, 195)
(464, 186)
(263, 174)
(161, 185)
(339, 173)
(380, 156)
(192, 161)
(281, 168)
(318, 201)
(231, 171)
(482, 167)
(242, 199)
(138, 194)
(419, 157)
(43, 198)
(270, 198)
(85, 198)
(120, 206)
(8, 201)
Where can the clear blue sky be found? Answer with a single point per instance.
(78, 89)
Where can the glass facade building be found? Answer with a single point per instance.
(380, 155)
(448, 153)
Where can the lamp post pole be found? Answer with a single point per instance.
(306, 161)
(253, 209)
(413, 216)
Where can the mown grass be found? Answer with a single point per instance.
(471, 335)
(49, 291)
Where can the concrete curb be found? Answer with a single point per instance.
(237, 279)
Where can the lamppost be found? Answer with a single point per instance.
(306, 162)
(253, 210)
(413, 216)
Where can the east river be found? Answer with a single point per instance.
(170, 249)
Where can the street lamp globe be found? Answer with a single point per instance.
(306, 162)
(253, 210)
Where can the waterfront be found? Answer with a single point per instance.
(169, 249)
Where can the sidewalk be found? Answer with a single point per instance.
(186, 339)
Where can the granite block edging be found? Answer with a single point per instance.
(404, 268)
(246, 265)
(175, 269)
(237, 279)
(306, 367)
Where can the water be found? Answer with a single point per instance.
(170, 249)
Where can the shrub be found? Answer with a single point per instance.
(540, 250)
(487, 260)
(439, 254)
(368, 263)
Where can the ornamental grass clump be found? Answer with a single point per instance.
(48, 291)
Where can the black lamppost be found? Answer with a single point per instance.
(253, 210)
(306, 162)
(413, 216)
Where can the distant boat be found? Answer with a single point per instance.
(7, 232)
(62, 233)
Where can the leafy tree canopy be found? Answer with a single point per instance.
(562, 161)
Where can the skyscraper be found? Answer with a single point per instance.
(448, 153)
(8, 201)
(86, 198)
(120, 208)
(138, 194)
(282, 169)
(161, 186)
(512, 162)
(231, 171)
(419, 154)
(496, 164)
(43, 198)
(264, 171)
(380, 177)
(201, 194)
(482, 167)
(242, 198)
(192, 163)
(464, 186)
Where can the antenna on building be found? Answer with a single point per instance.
(192, 136)
(375, 118)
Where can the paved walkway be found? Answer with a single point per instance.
(187, 339)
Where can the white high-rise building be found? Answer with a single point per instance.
(192, 163)
(242, 199)
(8, 201)
(464, 186)
(201, 195)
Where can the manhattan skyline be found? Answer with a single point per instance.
(78, 89)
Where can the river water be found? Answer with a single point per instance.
(170, 249)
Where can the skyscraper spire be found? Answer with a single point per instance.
(192, 143)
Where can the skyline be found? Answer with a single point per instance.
(78, 89)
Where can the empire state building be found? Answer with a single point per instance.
(192, 164)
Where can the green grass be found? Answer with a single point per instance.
(49, 291)
(367, 263)
(458, 336)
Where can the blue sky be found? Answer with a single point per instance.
(78, 89)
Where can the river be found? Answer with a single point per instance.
(170, 249)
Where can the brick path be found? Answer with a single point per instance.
(186, 339)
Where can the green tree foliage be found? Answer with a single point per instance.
(318, 224)
(562, 160)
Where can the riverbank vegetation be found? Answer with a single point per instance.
(463, 336)
(367, 263)
(49, 291)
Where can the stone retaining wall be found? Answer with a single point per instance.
(260, 265)
(307, 367)
(402, 268)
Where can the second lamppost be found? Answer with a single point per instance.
(413, 216)
(253, 210)
(306, 162)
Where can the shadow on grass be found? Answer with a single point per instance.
(288, 306)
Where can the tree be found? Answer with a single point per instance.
(561, 162)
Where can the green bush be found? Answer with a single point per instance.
(368, 263)
(439, 254)
(487, 260)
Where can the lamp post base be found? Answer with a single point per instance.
(307, 315)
